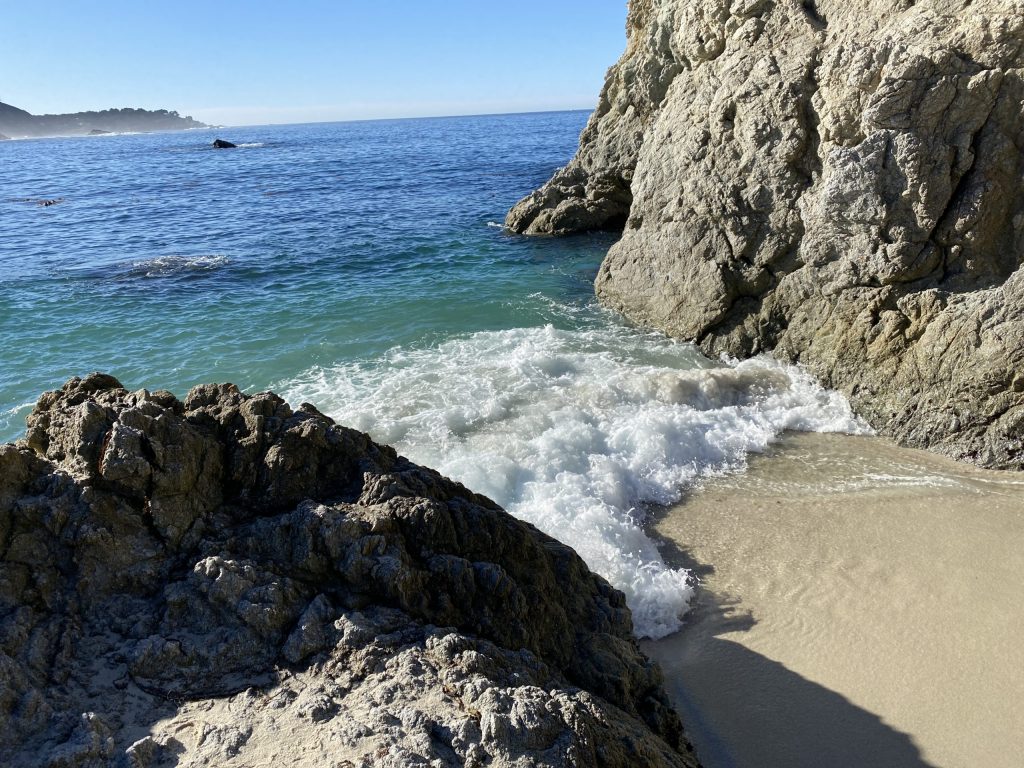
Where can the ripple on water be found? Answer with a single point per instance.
(172, 266)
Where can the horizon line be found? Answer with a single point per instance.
(406, 117)
(207, 127)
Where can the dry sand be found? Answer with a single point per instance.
(863, 605)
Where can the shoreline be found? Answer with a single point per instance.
(857, 608)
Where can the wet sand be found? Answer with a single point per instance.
(862, 605)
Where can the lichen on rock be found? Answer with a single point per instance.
(838, 182)
(226, 580)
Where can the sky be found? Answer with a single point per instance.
(232, 63)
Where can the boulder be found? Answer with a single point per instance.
(229, 579)
(221, 144)
(836, 182)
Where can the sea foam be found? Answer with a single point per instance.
(14, 416)
(579, 432)
(168, 266)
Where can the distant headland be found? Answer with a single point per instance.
(18, 124)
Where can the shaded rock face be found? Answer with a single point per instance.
(188, 583)
(838, 181)
(593, 191)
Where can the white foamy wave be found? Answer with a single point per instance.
(165, 266)
(495, 224)
(252, 144)
(577, 431)
(12, 420)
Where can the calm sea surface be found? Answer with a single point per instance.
(362, 267)
(169, 263)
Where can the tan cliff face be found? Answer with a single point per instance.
(841, 183)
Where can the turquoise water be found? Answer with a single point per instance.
(169, 263)
(362, 267)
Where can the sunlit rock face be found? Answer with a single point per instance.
(838, 181)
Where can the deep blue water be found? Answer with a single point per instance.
(169, 263)
(362, 267)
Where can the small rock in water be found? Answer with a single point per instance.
(45, 203)
(221, 144)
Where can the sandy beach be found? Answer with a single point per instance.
(861, 605)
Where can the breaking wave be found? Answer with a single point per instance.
(12, 420)
(579, 432)
(168, 266)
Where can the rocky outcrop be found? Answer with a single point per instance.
(222, 144)
(21, 124)
(593, 191)
(228, 581)
(837, 181)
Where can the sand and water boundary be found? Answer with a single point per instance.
(862, 604)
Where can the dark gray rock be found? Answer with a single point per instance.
(221, 144)
(184, 583)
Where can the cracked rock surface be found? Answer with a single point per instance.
(838, 181)
(227, 581)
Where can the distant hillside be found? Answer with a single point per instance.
(17, 123)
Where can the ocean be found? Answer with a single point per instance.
(363, 267)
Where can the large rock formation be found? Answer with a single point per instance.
(226, 581)
(840, 181)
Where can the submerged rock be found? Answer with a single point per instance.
(227, 580)
(221, 144)
(838, 182)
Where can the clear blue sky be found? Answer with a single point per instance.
(237, 63)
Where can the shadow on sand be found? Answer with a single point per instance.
(744, 710)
